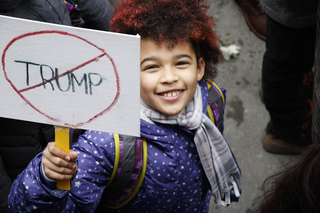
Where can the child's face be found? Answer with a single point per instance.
(168, 77)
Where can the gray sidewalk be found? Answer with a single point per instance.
(245, 114)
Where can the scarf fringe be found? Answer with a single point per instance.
(228, 192)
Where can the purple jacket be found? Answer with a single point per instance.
(174, 180)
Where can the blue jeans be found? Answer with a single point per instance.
(288, 57)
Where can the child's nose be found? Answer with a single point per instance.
(169, 76)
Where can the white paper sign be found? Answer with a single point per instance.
(69, 76)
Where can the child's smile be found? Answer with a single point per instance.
(171, 93)
(169, 77)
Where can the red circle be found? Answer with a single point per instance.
(81, 65)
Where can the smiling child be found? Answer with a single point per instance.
(188, 160)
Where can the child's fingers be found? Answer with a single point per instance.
(56, 156)
(54, 175)
(47, 158)
(57, 164)
(53, 150)
(73, 155)
(69, 169)
(57, 172)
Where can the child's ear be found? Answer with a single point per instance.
(200, 69)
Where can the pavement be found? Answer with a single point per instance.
(245, 114)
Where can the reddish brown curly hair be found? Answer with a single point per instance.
(171, 21)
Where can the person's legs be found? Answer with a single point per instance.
(286, 88)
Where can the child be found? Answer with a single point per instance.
(188, 159)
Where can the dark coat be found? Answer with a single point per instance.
(20, 141)
(95, 13)
(52, 11)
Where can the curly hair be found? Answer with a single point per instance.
(170, 22)
(296, 188)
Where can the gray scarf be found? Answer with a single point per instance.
(216, 157)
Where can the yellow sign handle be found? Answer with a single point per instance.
(62, 142)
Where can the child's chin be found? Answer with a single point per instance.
(171, 112)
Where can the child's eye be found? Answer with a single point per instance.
(181, 63)
(150, 67)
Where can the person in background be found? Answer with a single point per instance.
(20, 141)
(255, 17)
(287, 74)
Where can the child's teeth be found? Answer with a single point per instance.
(171, 94)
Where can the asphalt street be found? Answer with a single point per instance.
(245, 114)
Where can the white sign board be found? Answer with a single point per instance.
(69, 76)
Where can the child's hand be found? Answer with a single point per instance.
(57, 164)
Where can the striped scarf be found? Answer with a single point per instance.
(216, 157)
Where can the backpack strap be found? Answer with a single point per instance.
(128, 172)
(211, 83)
(216, 102)
(116, 158)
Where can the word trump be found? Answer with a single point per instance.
(64, 82)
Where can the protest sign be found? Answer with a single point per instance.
(69, 76)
